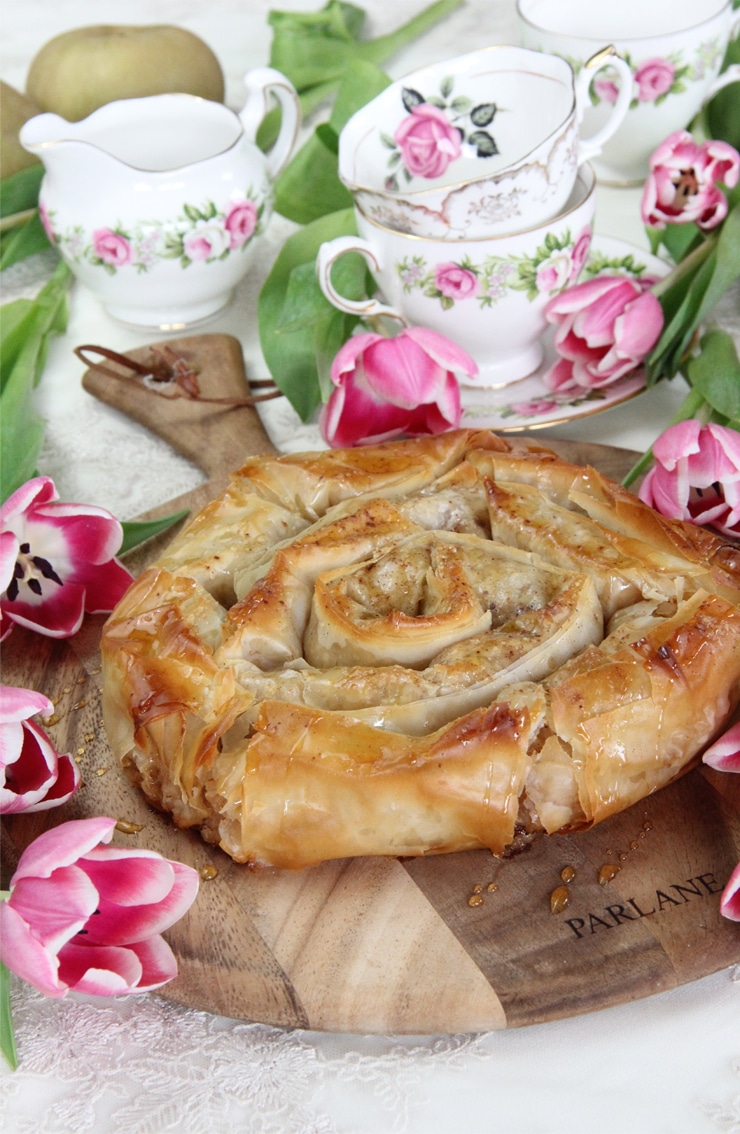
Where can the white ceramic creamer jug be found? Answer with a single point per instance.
(156, 204)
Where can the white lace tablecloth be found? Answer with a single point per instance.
(669, 1064)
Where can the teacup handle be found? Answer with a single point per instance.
(731, 75)
(591, 147)
(328, 254)
(260, 83)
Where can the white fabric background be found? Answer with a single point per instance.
(669, 1064)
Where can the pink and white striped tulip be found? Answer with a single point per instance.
(56, 561)
(681, 185)
(34, 776)
(724, 756)
(696, 475)
(386, 387)
(87, 918)
(605, 327)
(729, 902)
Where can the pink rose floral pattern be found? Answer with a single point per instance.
(437, 131)
(552, 401)
(657, 77)
(199, 235)
(557, 263)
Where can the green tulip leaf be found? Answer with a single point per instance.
(28, 325)
(7, 1035)
(136, 532)
(721, 116)
(286, 302)
(24, 241)
(309, 186)
(715, 374)
(20, 191)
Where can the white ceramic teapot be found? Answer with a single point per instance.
(157, 203)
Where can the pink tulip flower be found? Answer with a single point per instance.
(724, 756)
(729, 902)
(386, 387)
(88, 918)
(696, 476)
(428, 142)
(605, 327)
(56, 561)
(681, 185)
(33, 775)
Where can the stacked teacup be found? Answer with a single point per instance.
(474, 198)
(674, 49)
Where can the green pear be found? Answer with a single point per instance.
(15, 109)
(82, 69)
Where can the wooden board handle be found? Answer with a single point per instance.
(217, 438)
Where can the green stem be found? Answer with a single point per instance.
(16, 219)
(378, 49)
(690, 407)
(7, 1037)
(685, 267)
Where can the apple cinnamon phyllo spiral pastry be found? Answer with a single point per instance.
(419, 647)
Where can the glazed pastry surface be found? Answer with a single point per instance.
(419, 647)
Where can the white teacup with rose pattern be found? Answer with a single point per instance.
(674, 49)
(488, 295)
(156, 204)
(480, 145)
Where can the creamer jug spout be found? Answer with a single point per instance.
(64, 149)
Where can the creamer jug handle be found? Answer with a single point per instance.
(261, 83)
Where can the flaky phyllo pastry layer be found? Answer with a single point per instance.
(419, 647)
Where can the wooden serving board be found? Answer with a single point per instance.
(444, 944)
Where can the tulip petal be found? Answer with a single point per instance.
(445, 353)
(158, 962)
(29, 777)
(99, 970)
(140, 894)
(637, 329)
(18, 704)
(560, 375)
(105, 586)
(57, 615)
(729, 903)
(62, 846)
(9, 546)
(111, 971)
(25, 956)
(349, 352)
(128, 877)
(575, 298)
(595, 323)
(724, 754)
(38, 490)
(55, 908)
(676, 442)
(66, 784)
(658, 491)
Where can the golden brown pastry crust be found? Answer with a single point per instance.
(416, 648)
